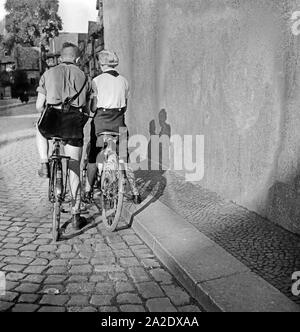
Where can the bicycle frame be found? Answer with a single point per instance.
(60, 186)
(111, 142)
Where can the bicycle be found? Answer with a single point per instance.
(57, 185)
(110, 181)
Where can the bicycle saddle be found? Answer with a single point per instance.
(56, 139)
(107, 133)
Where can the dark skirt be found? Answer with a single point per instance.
(109, 121)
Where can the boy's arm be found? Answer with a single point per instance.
(41, 99)
(87, 107)
(94, 99)
(41, 102)
(127, 93)
(94, 102)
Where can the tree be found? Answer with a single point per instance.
(32, 22)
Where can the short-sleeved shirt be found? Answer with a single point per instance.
(63, 81)
(111, 91)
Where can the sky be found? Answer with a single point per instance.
(75, 14)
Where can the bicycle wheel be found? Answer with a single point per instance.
(112, 199)
(56, 221)
(51, 184)
(85, 168)
(58, 190)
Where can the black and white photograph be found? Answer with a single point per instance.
(149, 159)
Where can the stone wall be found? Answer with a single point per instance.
(226, 69)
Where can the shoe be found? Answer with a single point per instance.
(44, 171)
(78, 222)
(137, 199)
(87, 198)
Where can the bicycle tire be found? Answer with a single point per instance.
(56, 205)
(85, 169)
(56, 221)
(111, 222)
(51, 183)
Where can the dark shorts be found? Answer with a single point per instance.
(76, 142)
(109, 120)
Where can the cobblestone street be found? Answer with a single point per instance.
(96, 271)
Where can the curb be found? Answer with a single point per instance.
(7, 107)
(17, 136)
(217, 280)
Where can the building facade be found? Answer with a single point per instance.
(23, 63)
(28, 63)
(95, 44)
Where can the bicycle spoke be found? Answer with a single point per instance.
(112, 200)
(57, 187)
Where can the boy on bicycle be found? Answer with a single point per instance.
(110, 96)
(57, 84)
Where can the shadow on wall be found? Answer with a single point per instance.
(154, 182)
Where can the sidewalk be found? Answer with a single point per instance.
(12, 103)
(16, 136)
(231, 257)
(7, 102)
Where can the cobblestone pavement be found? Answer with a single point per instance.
(17, 119)
(95, 271)
(267, 249)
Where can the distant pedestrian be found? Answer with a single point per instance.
(24, 97)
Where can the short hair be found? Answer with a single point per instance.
(68, 44)
(69, 50)
(108, 58)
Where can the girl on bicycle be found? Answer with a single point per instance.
(110, 96)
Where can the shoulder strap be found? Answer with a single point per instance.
(70, 100)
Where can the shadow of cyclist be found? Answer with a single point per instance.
(152, 182)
